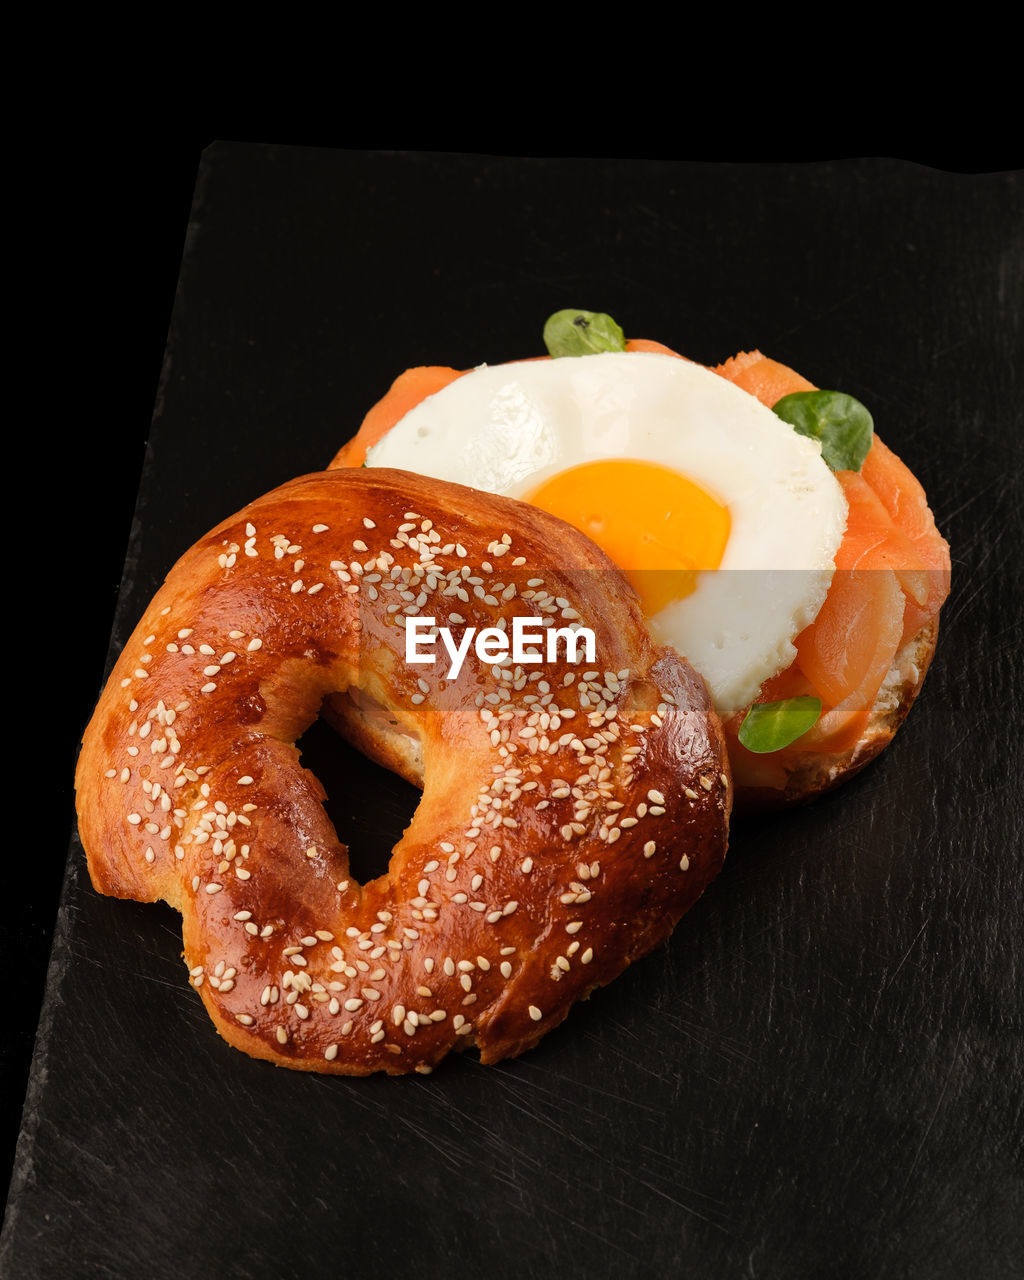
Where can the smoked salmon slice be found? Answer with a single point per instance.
(766, 380)
(892, 576)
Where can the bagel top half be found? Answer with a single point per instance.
(571, 811)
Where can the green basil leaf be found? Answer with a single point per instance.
(837, 421)
(582, 333)
(770, 726)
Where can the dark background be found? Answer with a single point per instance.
(835, 1078)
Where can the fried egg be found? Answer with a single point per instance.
(725, 520)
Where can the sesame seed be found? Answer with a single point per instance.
(535, 1013)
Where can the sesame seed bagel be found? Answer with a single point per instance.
(571, 812)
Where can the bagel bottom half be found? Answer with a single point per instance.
(852, 655)
(571, 811)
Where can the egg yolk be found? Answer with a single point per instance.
(659, 527)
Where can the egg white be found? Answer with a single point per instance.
(506, 428)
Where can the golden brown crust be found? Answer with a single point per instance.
(568, 819)
(814, 775)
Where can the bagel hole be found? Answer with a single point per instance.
(369, 805)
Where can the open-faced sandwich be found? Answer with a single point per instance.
(772, 537)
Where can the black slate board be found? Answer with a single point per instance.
(821, 1073)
